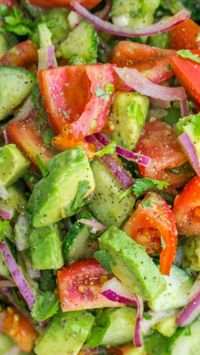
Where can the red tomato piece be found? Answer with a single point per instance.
(25, 136)
(187, 208)
(188, 73)
(19, 329)
(154, 62)
(153, 213)
(21, 55)
(75, 98)
(79, 286)
(158, 141)
(185, 36)
(64, 3)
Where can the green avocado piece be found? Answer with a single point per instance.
(112, 327)
(16, 200)
(66, 334)
(132, 265)
(128, 116)
(46, 251)
(109, 204)
(13, 164)
(63, 191)
(167, 327)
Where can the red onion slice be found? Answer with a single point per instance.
(105, 12)
(26, 111)
(159, 27)
(17, 275)
(95, 225)
(115, 291)
(190, 151)
(137, 337)
(6, 212)
(46, 58)
(125, 153)
(155, 317)
(192, 310)
(115, 168)
(184, 108)
(138, 82)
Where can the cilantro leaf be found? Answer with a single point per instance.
(108, 149)
(48, 135)
(145, 184)
(45, 306)
(105, 259)
(79, 200)
(15, 22)
(187, 54)
(147, 316)
(41, 166)
(5, 230)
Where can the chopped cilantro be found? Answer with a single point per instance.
(108, 149)
(5, 230)
(105, 259)
(79, 200)
(41, 166)
(147, 316)
(15, 22)
(187, 54)
(48, 135)
(145, 184)
(45, 306)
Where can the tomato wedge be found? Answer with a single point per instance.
(78, 97)
(19, 329)
(188, 73)
(187, 208)
(79, 286)
(154, 214)
(185, 36)
(158, 141)
(21, 55)
(64, 3)
(25, 136)
(154, 62)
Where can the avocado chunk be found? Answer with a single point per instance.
(81, 44)
(167, 327)
(112, 327)
(16, 199)
(132, 265)
(128, 116)
(109, 205)
(63, 191)
(46, 250)
(13, 164)
(66, 334)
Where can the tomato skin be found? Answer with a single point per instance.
(188, 73)
(19, 329)
(165, 153)
(79, 286)
(21, 55)
(185, 35)
(186, 208)
(64, 3)
(25, 136)
(154, 213)
(71, 98)
(155, 61)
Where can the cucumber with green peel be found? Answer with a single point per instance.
(109, 204)
(112, 327)
(81, 45)
(132, 265)
(129, 113)
(15, 85)
(176, 294)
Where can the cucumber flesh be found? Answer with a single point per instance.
(15, 85)
(188, 344)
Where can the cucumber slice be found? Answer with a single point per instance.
(179, 284)
(188, 344)
(15, 85)
(81, 44)
(75, 242)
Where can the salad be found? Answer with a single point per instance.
(99, 177)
